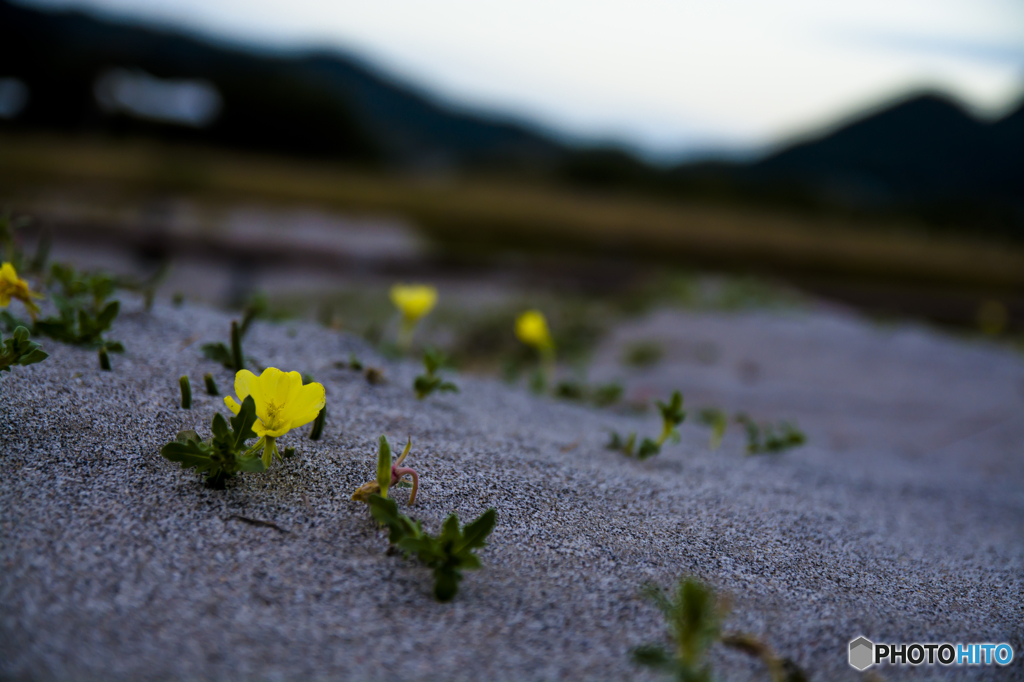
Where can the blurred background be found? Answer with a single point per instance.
(599, 158)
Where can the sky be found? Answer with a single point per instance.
(670, 79)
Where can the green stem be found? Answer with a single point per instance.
(236, 347)
(186, 393)
(318, 424)
(211, 385)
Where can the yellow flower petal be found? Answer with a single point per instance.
(232, 405)
(532, 329)
(307, 405)
(413, 301)
(282, 402)
(246, 385)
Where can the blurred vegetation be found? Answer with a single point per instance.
(469, 220)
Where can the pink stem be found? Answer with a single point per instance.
(396, 475)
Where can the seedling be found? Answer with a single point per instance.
(84, 313)
(354, 363)
(766, 438)
(211, 385)
(448, 554)
(425, 384)
(672, 415)
(643, 354)
(232, 358)
(607, 394)
(389, 474)
(718, 421)
(224, 454)
(186, 392)
(19, 350)
(570, 390)
(694, 614)
(104, 359)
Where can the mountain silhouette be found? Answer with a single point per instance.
(924, 149)
(923, 157)
(321, 105)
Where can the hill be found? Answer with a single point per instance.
(320, 105)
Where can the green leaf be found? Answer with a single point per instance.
(190, 454)
(648, 448)
(652, 656)
(242, 423)
(218, 352)
(106, 317)
(475, 534)
(384, 466)
(251, 464)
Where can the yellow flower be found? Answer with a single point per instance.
(282, 404)
(11, 286)
(414, 301)
(532, 329)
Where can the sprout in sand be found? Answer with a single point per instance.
(762, 438)
(282, 403)
(388, 474)
(672, 415)
(448, 554)
(694, 615)
(414, 302)
(13, 287)
(425, 384)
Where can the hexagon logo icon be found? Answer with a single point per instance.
(862, 653)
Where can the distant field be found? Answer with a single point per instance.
(471, 216)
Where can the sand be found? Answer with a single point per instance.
(116, 564)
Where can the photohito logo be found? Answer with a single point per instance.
(864, 653)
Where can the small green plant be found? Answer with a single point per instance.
(224, 454)
(766, 438)
(606, 395)
(231, 357)
(186, 392)
(84, 311)
(570, 390)
(425, 384)
(18, 349)
(211, 385)
(389, 474)
(717, 420)
(672, 415)
(694, 615)
(104, 357)
(448, 554)
(694, 618)
(643, 354)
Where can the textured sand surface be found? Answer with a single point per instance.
(894, 522)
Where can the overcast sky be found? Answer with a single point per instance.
(664, 76)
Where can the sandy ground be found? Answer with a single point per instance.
(901, 520)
